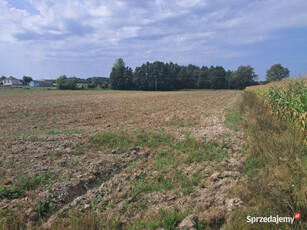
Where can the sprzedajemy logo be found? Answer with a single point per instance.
(273, 219)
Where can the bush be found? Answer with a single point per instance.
(65, 83)
(91, 86)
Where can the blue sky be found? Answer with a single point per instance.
(48, 38)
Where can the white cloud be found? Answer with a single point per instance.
(191, 3)
(71, 29)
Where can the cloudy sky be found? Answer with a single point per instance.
(48, 38)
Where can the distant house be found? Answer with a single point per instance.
(11, 81)
(41, 83)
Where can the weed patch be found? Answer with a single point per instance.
(11, 219)
(233, 119)
(165, 219)
(24, 184)
(122, 141)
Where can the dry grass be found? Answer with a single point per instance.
(275, 168)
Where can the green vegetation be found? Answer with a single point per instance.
(43, 208)
(169, 152)
(26, 80)
(288, 100)
(276, 73)
(24, 184)
(122, 141)
(11, 192)
(165, 219)
(187, 123)
(169, 76)
(167, 146)
(276, 168)
(63, 82)
(11, 219)
(121, 76)
(141, 185)
(233, 119)
(290, 103)
(27, 183)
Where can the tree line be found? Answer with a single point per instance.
(169, 76)
(72, 83)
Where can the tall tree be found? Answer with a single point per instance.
(277, 72)
(228, 78)
(203, 78)
(244, 76)
(170, 76)
(217, 77)
(127, 79)
(26, 80)
(117, 74)
(193, 73)
(182, 77)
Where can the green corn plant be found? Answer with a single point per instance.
(289, 102)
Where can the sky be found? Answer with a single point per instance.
(48, 38)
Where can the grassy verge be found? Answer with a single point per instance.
(276, 169)
(233, 119)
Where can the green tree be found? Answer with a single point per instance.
(64, 83)
(244, 76)
(1, 79)
(193, 74)
(127, 82)
(203, 78)
(26, 80)
(217, 77)
(104, 85)
(95, 81)
(117, 74)
(276, 73)
(228, 78)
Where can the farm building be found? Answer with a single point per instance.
(41, 83)
(11, 81)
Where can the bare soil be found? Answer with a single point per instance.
(46, 131)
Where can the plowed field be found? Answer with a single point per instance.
(116, 157)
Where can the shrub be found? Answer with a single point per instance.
(65, 83)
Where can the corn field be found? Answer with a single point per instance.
(288, 100)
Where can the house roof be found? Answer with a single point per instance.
(43, 83)
(37, 81)
(11, 78)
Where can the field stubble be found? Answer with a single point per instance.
(129, 184)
